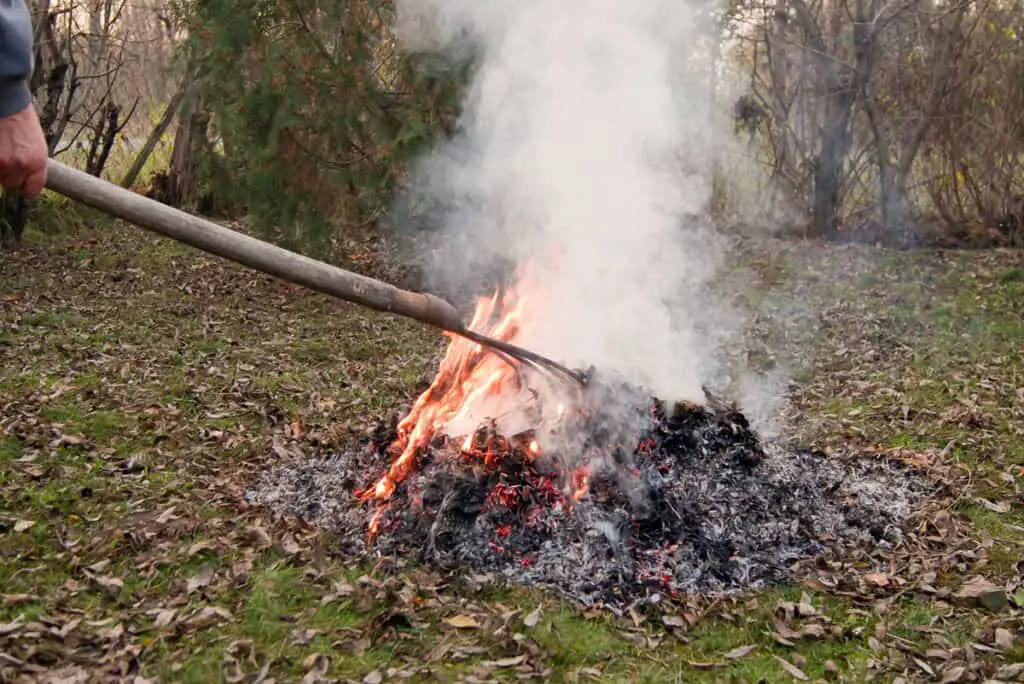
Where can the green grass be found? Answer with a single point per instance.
(144, 385)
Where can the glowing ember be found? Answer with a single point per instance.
(473, 386)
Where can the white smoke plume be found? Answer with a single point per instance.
(583, 150)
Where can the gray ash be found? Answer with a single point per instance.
(696, 505)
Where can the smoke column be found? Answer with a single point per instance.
(581, 150)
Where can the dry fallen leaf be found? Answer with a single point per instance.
(201, 579)
(785, 631)
(374, 677)
(994, 506)
(925, 667)
(208, 616)
(740, 652)
(505, 662)
(792, 669)
(164, 618)
(1010, 672)
(200, 546)
(7, 628)
(23, 525)
(1004, 638)
(109, 583)
(461, 622)
(952, 674)
(981, 591)
(877, 579)
(316, 668)
(676, 621)
(704, 666)
(532, 618)
(813, 631)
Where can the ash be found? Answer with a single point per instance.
(698, 506)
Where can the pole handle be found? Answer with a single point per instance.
(248, 251)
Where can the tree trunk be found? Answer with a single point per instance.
(154, 138)
(842, 84)
(188, 140)
(828, 170)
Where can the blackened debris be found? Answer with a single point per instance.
(697, 504)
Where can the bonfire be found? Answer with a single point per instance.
(596, 489)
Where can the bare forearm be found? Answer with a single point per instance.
(15, 56)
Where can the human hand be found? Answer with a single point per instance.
(23, 153)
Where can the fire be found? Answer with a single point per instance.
(468, 376)
(472, 385)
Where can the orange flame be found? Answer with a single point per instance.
(472, 384)
(581, 483)
(467, 376)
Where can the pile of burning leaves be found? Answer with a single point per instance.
(614, 497)
(697, 505)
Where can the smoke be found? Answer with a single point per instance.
(583, 150)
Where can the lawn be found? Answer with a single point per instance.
(144, 385)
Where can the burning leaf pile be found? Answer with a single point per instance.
(603, 494)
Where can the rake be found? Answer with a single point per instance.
(282, 263)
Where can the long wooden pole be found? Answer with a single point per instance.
(262, 256)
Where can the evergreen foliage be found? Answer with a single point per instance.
(314, 111)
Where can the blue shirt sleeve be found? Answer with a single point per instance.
(15, 56)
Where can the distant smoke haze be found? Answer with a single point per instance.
(581, 152)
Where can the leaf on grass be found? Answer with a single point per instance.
(461, 622)
(806, 608)
(994, 506)
(201, 579)
(925, 667)
(361, 645)
(981, 591)
(108, 582)
(18, 599)
(505, 662)
(22, 525)
(782, 641)
(953, 674)
(877, 579)
(1010, 672)
(316, 668)
(1004, 638)
(164, 618)
(740, 652)
(207, 616)
(167, 516)
(99, 566)
(374, 677)
(532, 618)
(812, 631)
(200, 546)
(676, 621)
(7, 628)
(704, 666)
(785, 631)
(302, 637)
(791, 669)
